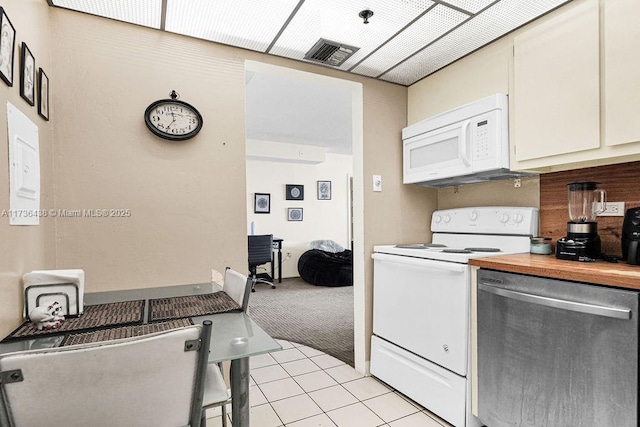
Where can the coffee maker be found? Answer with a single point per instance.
(631, 236)
(582, 242)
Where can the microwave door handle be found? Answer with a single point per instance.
(464, 143)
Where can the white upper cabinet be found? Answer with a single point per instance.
(556, 87)
(621, 71)
(575, 90)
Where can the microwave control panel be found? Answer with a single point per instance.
(481, 148)
(481, 129)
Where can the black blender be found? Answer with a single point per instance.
(582, 242)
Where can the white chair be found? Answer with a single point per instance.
(150, 380)
(237, 286)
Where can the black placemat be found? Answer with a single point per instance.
(191, 306)
(110, 334)
(94, 317)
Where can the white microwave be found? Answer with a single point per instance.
(465, 145)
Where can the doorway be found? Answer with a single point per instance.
(299, 121)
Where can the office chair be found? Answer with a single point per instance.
(150, 380)
(260, 252)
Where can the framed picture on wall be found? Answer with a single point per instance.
(262, 203)
(294, 214)
(7, 47)
(27, 75)
(324, 190)
(294, 192)
(43, 94)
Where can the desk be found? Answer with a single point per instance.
(277, 245)
(234, 337)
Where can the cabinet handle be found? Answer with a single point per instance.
(598, 310)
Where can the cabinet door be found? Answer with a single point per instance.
(556, 85)
(621, 71)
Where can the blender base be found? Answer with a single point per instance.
(578, 250)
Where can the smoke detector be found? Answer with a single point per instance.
(330, 53)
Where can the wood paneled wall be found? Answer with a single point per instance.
(622, 184)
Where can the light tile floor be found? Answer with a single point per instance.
(303, 387)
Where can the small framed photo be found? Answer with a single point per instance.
(43, 94)
(294, 214)
(27, 75)
(7, 47)
(262, 203)
(324, 190)
(294, 192)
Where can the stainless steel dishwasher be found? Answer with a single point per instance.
(554, 353)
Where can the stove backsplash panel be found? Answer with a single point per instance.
(622, 184)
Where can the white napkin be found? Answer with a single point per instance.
(57, 279)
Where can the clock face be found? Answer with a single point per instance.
(173, 119)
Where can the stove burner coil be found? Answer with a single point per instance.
(483, 249)
(457, 251)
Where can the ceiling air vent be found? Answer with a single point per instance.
(330, 53)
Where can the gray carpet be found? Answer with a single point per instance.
(317, 316)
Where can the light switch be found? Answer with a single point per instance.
(377, 182)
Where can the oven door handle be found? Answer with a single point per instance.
(580, 307)
(420, 262)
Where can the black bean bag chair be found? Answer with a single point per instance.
(326, 268)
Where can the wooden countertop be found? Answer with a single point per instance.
(618, 274)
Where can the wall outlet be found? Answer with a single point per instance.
(613, 209)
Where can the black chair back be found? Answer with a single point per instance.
(260, 249)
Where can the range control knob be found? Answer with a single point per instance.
(517, 218)
(437, 219)
(473, 215)
(504, 218)
(447, 218)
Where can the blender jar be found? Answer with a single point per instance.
(583, 201)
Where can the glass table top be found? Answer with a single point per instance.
(233, 335)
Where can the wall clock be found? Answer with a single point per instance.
(173, 119)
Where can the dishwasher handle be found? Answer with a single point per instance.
(598, 310)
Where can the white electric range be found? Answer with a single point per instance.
(421, 304)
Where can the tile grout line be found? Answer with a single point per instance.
(391, 390)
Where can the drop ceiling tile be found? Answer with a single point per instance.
(425, 30)
(140, 12)
(338, 21)
(472, 6)
(487, 26)
(248, 24)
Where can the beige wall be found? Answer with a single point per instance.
(25, 248)
(186, 198)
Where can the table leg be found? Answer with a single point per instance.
(240, 392)
(273, 270)
(280, 264)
